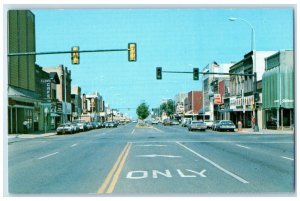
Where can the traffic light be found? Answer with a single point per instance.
(158, 73)
(196, 74)
(256, 97)
(131, 52)
(75, 55)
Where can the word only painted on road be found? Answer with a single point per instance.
(143, 174)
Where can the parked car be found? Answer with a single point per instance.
(215, 124)
(109, 124)
(65, 128)
(89, 126)
(101, 124)
(185, 122)
(154, 122)
(197, 125)
(167, 122)
(209, 124)
(175, 123)
(226, 125)
(95, 124)
(82, 124)
(76, 127)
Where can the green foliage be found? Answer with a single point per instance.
(168, 107)
(143, 111)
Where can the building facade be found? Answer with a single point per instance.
(76, 102)
(241, 99)
(211, 96)
(193, 104)
(278, 90)
(179, 104)
(63, 92)
(93, 107)
(47, 118)
(22, 97)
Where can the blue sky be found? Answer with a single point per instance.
(174, 39)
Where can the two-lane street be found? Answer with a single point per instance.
(155, 160)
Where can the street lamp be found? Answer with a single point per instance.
(256, 129)
(252, 30)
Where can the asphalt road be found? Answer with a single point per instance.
(163, 160)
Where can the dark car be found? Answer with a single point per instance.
(95, 125)
(197, 125)
(89, 126)
(109, 124)
(226, 125)
(167, 122)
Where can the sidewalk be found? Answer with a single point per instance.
(265, 131)
(19, 137)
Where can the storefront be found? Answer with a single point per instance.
(22, 110)
(278, 91)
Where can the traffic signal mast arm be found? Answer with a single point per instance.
(208, 73)
(65, 52)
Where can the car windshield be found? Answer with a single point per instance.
(197, 122)
(226, 122)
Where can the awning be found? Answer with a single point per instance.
(278, 88)
(20, 94)
(226, 110)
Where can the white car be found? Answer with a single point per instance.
(65, 128)
(209, 124)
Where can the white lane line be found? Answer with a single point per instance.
(132, 131)
(48, 155)
(215, 164)
(156, 155)
(73, 145)
(291, 159)
(151, 145)
(157, 129)
(242, 146)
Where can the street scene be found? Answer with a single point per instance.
(150, 102)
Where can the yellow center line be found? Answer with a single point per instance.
(110, 174)
(117, 174)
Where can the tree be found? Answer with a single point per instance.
(143, 111)
(168, 107)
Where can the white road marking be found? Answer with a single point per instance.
(157, 129)
(151, 145)
(155, 155)
(143, 174)
(133, 131)
(48, 155)
(73, 145)
(215, 164)
(287, 158)
(242, 146)
(211, 141)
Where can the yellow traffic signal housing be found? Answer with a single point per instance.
(158, 73)
(131, 52)
(75, 55)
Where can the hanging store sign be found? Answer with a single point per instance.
(217, 99)
(232, 102)
(46, 84)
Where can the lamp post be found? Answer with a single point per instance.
(46, 114)
(256, 129)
